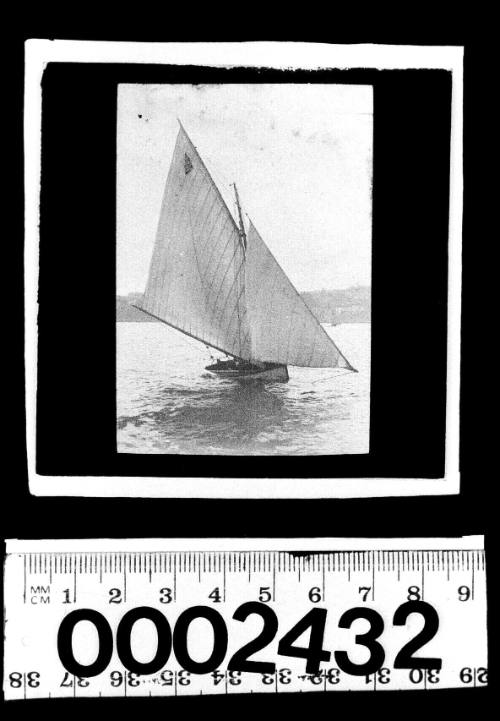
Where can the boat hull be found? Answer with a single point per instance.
(278, 373)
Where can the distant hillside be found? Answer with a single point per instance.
(349, 305)
(126, 312)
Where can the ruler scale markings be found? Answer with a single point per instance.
(455, 562)
(274, 578)
(223, 560)
(373, 575)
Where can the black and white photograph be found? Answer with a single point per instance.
(244, 269)
(248, 469)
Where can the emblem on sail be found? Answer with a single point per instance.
(214, 282)
(188, 165)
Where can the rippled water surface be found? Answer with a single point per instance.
(168, 403)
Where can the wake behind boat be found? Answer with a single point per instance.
(212, 280)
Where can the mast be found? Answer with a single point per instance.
(243, 235)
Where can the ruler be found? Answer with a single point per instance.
(150, 617)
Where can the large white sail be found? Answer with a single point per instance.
(211, 283)
(196, 277)
(283, 329)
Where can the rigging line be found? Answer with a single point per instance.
(236, 307)
(216, 317)
(176, 327)
(215, 222)
(208, 217)
(239, 285)
(215, 196)
(201, 206)
(215, 243)
(232, 286)
(214, 246)
(218, 314)
(202, 279)
(217, 172)
(225, 272)
(208, 173)
(339, 372)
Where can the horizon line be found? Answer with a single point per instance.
(318, 290)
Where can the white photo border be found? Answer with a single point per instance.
(279, 55)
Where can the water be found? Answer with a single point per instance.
(168, 403)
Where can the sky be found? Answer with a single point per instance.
(301, 157)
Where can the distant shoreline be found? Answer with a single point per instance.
(349, 305)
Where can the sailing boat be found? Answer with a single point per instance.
(212, 280)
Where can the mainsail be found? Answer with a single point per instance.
(229, 292)
(196, 277)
